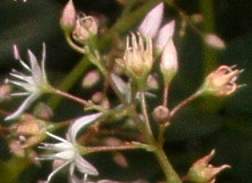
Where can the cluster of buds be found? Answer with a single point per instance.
(204, 172)
(82, 27)
(164, 44)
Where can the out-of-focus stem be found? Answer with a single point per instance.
(209, 55)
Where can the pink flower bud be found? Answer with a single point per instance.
(165, 35)
(152, 21)
(169, 62)
(214, 41)
(68, 18)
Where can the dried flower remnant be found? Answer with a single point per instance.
(85, 28)
(222, 81)
(68, 17)
(138, 57)
(204, 172)
(34, 85)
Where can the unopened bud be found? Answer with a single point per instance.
(214, 41)
(5, 91)
(90, 79)
(222, 81)
(165, 35)
(204, 172)
(43, 111)
(169, 62)
(68, 18)
(152, 21)
(85, 28)
(152, 82)
(161, 114)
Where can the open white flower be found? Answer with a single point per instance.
(34, 84)
(67, 150)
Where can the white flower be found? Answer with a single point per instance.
(67, 150)
(34, 84)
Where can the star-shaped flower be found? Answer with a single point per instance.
(67, 150)
(34, 84)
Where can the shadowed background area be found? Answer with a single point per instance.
(207, 123)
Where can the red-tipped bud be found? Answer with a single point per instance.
(204, 172)
(68, 18)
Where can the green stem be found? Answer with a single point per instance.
(70, 80)
(145, 114)
(169, 172)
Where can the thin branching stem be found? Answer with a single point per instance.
(71, 97)
(185, 102)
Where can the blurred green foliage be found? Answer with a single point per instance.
(196, 130)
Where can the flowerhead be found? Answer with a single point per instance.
(222, 81)
(34, 83)
(67, 150)
(138, 56)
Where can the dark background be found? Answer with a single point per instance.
(223, 124)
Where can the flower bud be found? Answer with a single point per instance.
(68, 18)
(85, 28)
(214, 41)
(222, 81)
(5, 91)
(161, 114)
(91, 79)
(203, 172)
(165, 35)
(169, 62)
(152, 21)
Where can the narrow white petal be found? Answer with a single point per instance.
(25, 65)
(43, 62)
(16, 52)
(57, 146)
(84, 166)
(57, 138)
(19, 94)
(165, 34)
(26, 104)
(56, 171)
(36, 71)
(152, 21)
(79, 124)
